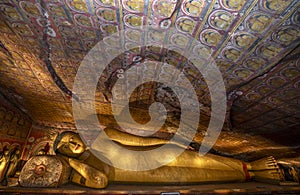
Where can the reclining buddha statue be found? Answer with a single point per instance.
(76, 163)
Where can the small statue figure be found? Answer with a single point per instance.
(4, 162)
(75, 162)
(13, 162)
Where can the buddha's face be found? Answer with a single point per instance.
(71, 144)
(6, 152)
(75, 144)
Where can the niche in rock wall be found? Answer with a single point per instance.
(14, 126)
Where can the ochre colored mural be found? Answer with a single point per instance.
(14, 126)
(255, 44)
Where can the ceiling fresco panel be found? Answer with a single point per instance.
(255, 45)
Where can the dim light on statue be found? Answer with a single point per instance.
(77, 164)
(95, 156)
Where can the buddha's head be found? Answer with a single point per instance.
(5, 150)
(69, 143)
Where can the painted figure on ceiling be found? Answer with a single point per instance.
(83, 168)
(221, 20)
(276, 5)
(133, 20)
(136, 6)
(164, 8)
(211, 37)
(234, 4)
(186, 25)
(288, 35)
(258, 22)
(194, 7)
(243, 40)
(108, 15)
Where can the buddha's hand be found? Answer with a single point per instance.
(87, 176)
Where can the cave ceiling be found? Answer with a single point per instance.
(255, 45)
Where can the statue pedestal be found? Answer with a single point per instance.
(229, 188)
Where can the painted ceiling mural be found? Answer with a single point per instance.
(255, 45)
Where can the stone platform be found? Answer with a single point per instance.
(230, 188)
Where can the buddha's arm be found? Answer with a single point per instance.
(86, 175)
(133, 140)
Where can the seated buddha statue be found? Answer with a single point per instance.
(79, 165)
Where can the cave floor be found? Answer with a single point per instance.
(229, 188)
